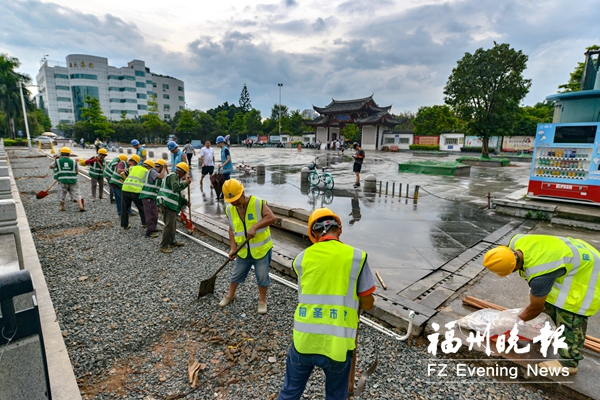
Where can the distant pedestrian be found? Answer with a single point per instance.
(226, 165)
(82, 142)
(207, 157)
(70, 142)
(97, 144)
(189, 151)
(97, 172)
(359, 157)
(66, 173)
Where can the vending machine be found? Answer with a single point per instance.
(565, 164)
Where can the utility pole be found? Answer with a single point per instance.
(25, 115)
(280, 85)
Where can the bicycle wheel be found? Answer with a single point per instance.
(328, 180)
(313, 178)
(313, 194)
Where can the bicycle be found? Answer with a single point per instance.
(314, 178)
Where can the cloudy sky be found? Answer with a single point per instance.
(401, 51)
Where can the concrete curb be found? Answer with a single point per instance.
(63, 383)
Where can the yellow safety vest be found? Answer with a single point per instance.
(326, 319)
(578, 291)
(260, 244)
(135, 180)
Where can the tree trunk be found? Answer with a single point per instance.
(11, 127)
(485, 148)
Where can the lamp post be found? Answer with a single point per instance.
(25, 115)
(280, 85)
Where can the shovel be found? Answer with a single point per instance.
(207, 286)
(188, 223)
(43, 193)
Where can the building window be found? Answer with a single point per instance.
(68, 100)
(140, 73)
(131, 112)
(403, 140)
(61, 76)
(167, 116)
(58, 87)
(388, 140)
(123, 100)
(149, 82)
(140, 84)
(142, 107)
(84, 76)
(141, 96)
(121, 77)
(153, 84)
(451, 140)
(116, 111)
(166, 107)
(65, 110)
(180, 88)
(181, 98)
(165, 86)
(65, 121)
(180, 107)
(150, 93)
(121, 89)
(166, 96)
(79, 93)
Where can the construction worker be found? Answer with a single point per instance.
(96, 172)
(116, 180)
(66, 174)
(226, 163)
(140, 151)
(149, 191)
(334, 281)
(171, 201)
(176, 154)
(134, 176)
(108, 171)
(249, 217)
(561, 273)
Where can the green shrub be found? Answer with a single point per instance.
(504, 161)
(429, 147)
(15, 142)
(473, 149)
(296, 143)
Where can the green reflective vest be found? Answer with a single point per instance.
(578, 291)
(96, 170)
(110, 168)
(66, 170)
(116, 178)
(326, 319)
(260, 244)
(167, 197)
(150, 190)
(135, 180)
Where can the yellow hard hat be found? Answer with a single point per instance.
(500, 260)
(183, 166)
(135, 158)
(103, 151)
(65, 150)
(232, 190)
(148, 163)
(81, 161)
(318, 214)
(160, 161)
(122, 157)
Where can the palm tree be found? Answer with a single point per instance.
(10, 100)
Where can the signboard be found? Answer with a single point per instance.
(197, 144)
(343, 117)
(20, 133)
(475, 141)
(427, 140)
(275, 138)
(263, 138)
(518, 143)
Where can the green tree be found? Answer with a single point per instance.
(408, 124)
(435, 120)
(156, 128)
(485, 89)
(252, 122)
(237, 126)
(275, 112)
(186, 123)
(222, 121)
(39, 122)
(528, 118)
(66, 129)
(244, 102)
(295, 125)
(10, 97)
(351, 132)
(92, 114)
(574, 84)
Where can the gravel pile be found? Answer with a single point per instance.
(131, 321)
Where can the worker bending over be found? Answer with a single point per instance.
(563, 278)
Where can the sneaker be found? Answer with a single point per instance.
(93, 199)
(176, 244)
(356, 185)
(158, 230)
(82, 210)
(226, 300)
(262, 307)
(143, 226)
(112, 201)
(62, 209)
(127, 227)
(152, 235)
(556, 367)
(167, 250)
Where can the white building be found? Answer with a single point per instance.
(64, 87)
